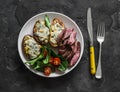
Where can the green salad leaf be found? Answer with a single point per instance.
(38, 66)
(47, 21)
(46, 60)
(64, 64)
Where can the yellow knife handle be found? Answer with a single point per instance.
(92, 61)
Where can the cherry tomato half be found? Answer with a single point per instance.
(56, 61)
(47, 71)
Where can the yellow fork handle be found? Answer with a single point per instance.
(92, 61)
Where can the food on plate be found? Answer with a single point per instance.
(41, 32)
(30, 47)
(47, 71)
(42, 57)
(56, 28)
(56, 61)
(76, 55)
(47, 21)
(48, 61)
(69, 47)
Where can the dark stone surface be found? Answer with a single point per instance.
(14, 77)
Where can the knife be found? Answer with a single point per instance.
(90, 32)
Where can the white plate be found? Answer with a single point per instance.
(28, 29)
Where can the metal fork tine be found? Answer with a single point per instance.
(99, 28)
(104, 30)
(100, 31)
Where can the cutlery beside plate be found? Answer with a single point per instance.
(90, 31)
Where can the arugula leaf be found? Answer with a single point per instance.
(31, 62)
(63, 66)
(46, 60)
(64, 63)
(39, 66)
(53, 54)
(47, 21)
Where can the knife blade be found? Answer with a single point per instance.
(89, 25)
(90, 32)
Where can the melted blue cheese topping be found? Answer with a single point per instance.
(56, 29)
(32, 48)
(42, 32)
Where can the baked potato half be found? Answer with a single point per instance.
(56, 28)
(41, 32)
(30, 47)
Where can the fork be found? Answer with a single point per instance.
(100, 39)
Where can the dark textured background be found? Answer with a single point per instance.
(15, 77)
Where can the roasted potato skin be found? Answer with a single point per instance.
(34, 31)
(27, 37)
(37, 37)
(55, 21)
